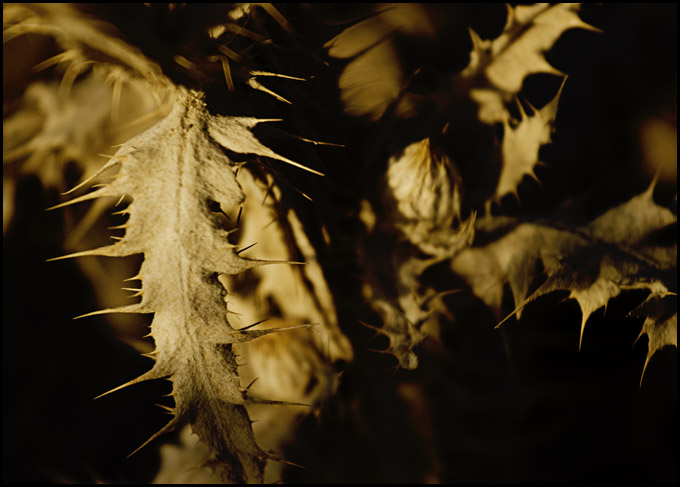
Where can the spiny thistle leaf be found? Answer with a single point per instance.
(236, 337)
(53, 128)
(421, 198)
(661, 323)
(298, 293)
(496, 72)
(172, 171)
(83, 40)
(595, 263)
(521, 145)
(506, 61)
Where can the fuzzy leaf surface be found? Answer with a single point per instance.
(173, 172)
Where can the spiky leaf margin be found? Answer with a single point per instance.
(594, 263)
(496, 72)
(173, 172)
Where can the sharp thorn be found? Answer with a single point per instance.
(246, 248)
(165, 429)
(251, 383)
(254, 324)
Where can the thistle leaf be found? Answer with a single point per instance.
(172, 172)
(506, 61)
(595, 263)
(661, 323)
(496, 72)
(521, 145)
(80, 36)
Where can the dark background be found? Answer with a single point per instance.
(517, 405)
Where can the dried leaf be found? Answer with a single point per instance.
(595, 263)
(53, 129)
(506, 61)
(521, 145)
(661, 323)
(422, 197)
(173, 171)
(421, 200)
(298, 294)
(83, 40)
(496, 72)
(373, 79)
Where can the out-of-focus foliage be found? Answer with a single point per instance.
(615, 252)
(390, 230)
